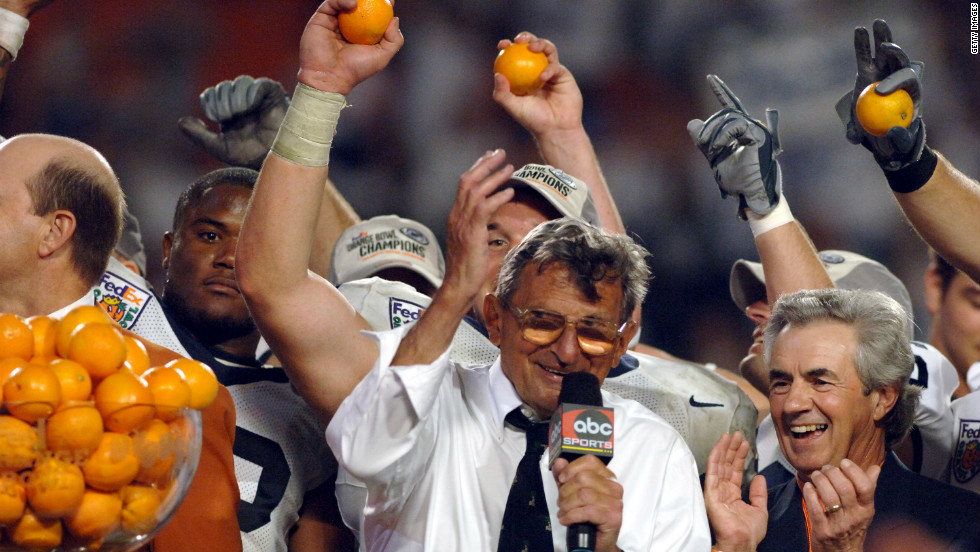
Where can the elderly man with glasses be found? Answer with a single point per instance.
(438, 443)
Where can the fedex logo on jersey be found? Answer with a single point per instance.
(123, 300)
(401, 312)
(966, 458)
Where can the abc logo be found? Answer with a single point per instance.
(593, 424)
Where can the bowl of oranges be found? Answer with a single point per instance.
(97, 447)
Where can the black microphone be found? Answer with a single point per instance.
(580, 425)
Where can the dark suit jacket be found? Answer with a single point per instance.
(901, 497)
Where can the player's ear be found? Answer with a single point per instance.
(884, 400)
(167, 244)
(58, 229)
(492, 311)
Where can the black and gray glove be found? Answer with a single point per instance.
(890, 65)
(741, 151)
(248, 112)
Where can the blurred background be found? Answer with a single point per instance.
(118, 74)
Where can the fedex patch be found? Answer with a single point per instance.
(122, 299)
(401, 312)
(966, 458)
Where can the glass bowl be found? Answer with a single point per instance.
(130, 484)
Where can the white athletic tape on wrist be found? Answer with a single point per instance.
(780, 215)
(309, 126)
(13, 27)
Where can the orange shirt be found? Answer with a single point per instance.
(207, 519)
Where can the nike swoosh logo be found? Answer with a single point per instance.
(697, 404)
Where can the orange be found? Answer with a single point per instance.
(32, 392)
(44, 328)
(155, 445)
(366, 24)
(13, 497)
(137, 359)
(200, 378)
(19, 444)
(73, 432)
(113, 465)
(36, 533)
(99, 347)
(170, 390)
(878, 113)
(16, 337)
(55, 488)
(139, 510)
(76, 383)
(98, 515)
(76, 317)
(7, 365)
(125, 401)
(522, 67)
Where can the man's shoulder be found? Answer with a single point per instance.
(632, 416)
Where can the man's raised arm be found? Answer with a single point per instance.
(945, 211)
(942, 203)
(309, 325)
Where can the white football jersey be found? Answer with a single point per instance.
(280, 449)
(966, 442)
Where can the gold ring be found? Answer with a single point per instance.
(831, 509)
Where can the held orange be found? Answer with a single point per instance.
(76, 317)
(16, 337)
(125, 401)
(200, 378)
(366, 24)
(521, 67)
(99, 347)
(32, 392)
(878, 113)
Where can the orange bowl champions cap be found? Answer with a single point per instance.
(387, 241)
(846, 269)
(566, 193)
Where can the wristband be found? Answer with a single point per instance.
(780, 215)
(914, 175)
(13, 27)
(309, 126)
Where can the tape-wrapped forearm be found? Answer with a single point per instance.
(309, 126)
(780, 215)
(13, 27)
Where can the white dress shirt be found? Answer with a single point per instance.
(429, 442)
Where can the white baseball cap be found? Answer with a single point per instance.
(566, 193)
(387, 241)
(846, 269)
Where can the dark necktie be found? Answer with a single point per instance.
(527, 523)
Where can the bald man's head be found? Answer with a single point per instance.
(66, 177)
